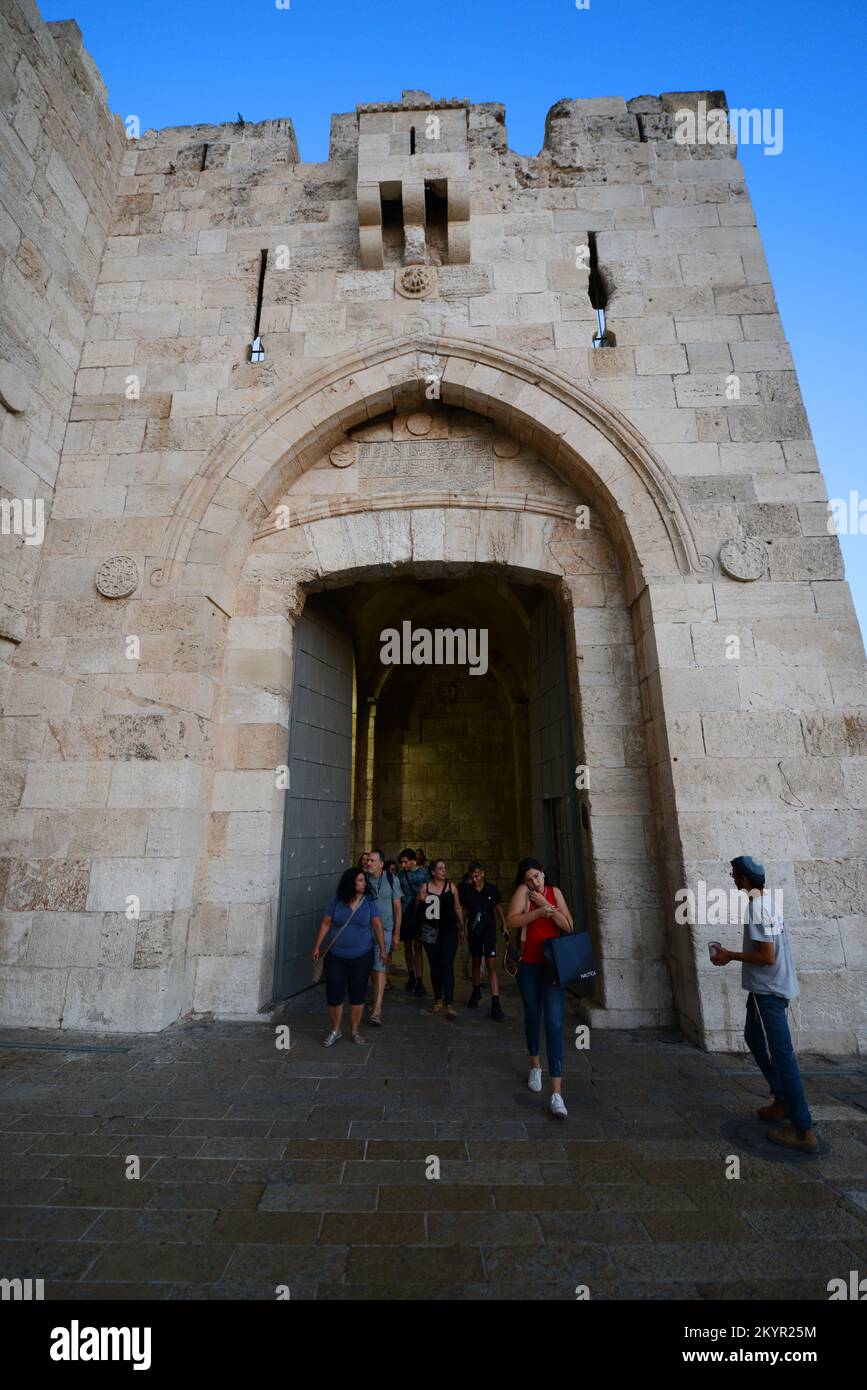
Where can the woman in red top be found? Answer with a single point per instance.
(539, 911)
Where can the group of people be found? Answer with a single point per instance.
(377, 905)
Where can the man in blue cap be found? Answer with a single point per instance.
(768, 974)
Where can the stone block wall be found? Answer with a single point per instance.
(686, 433)
(60, 154)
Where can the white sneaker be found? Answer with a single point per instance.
(534, 1081)
(557, 1107)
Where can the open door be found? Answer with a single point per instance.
(316, 821)
(553, 802)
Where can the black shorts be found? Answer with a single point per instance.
(346, 976)
(483, 944)
(407, 924)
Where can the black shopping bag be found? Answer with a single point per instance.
(573, 960)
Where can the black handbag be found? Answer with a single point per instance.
(570, 960)
(426, 929)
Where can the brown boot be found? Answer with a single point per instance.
(791, 1139)
(775, 1111)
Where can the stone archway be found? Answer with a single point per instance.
(331, 553)
(589, 443)
(210, 708)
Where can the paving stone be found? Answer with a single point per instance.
(29, 1192)
(796, 1259)
(804, 1225)
(84, 1290)
(317, 1197)
(603, 1228)
(624, 1291)
(20, 1143)
(486, 1229)
(162, 1263)
(45, 1223)
(122, 1227)
(266, 1227)
(226, 1128)
(452, 1265)
(157, 1145)
(49, 1260)
(304, 1187)
(672, 1263)
(411, 1129)
(423, 1292)
(191, 1169)
(701, 1225)
(542, 1197)
(125, 1193)
(235, 1196)
(436, 1196)
(763, 1291)
(376, 1228)
(97, 1169)
(574, 1264)
(542, 1150)
(319, 1149)
(294, 1170)
(286, 1263)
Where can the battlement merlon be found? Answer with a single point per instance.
(575, 130)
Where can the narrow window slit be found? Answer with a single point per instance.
(598, 296)
(412, 139)
(257, 351)
(204, 156)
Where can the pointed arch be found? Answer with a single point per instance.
(591, 444)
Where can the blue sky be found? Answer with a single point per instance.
(178, 62)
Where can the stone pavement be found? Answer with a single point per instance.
(306, 1168)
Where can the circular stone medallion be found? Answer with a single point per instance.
(117, 577)
(743, 559)
(415, 281)
(421, 423)
(506, 448)
(344, 455)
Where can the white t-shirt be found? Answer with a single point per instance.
(763, 924)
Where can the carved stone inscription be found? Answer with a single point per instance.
(441, 465)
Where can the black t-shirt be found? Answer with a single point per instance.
(482, 900)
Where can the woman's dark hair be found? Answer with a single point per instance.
(526, 864)
(346, 887)
(420, 856)
(432, 863)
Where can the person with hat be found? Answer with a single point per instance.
(768, 975)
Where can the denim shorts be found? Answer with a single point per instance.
(378, 963)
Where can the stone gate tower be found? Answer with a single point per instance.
(266, 408)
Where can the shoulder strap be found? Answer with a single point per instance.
(340, 929)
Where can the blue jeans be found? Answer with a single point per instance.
(767, 1036)
(540, 998)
